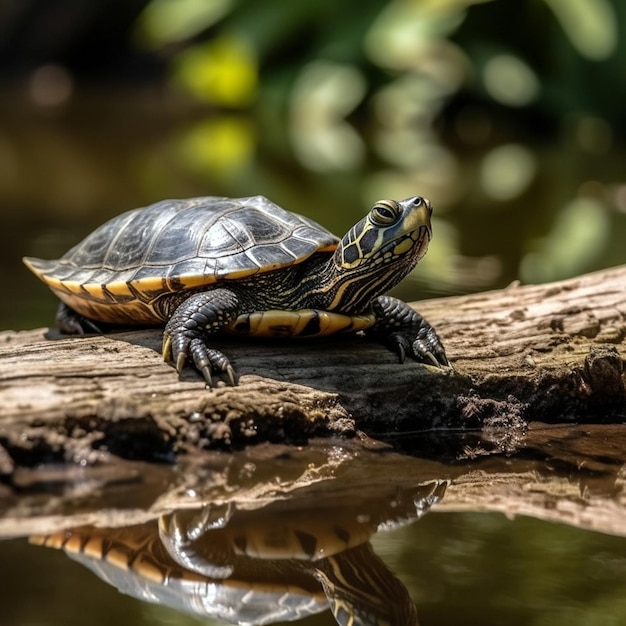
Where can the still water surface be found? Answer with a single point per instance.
(270, 535)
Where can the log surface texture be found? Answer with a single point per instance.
(552, 353)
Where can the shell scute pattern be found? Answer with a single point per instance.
(92, 251)
(175, 237)
(177, 244)
(131, 244)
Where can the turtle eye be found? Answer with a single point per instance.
(385, 212)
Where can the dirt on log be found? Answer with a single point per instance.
(551, 353)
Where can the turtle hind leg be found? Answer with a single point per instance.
(70, 322)
(186, 332)
(404, 331)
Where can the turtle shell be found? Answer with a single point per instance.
(175, 245)
(134, 561)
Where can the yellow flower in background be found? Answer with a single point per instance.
(222, 72)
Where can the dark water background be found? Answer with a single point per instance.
(469, 567)
(460, 568)
(508, 116)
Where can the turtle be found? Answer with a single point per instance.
(247, 266)
(275, 535)
(354, 583)
(280, 562)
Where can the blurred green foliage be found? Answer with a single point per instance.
(507, 115)
(468, 102)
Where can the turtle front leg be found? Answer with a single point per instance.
(186, 331)
(405, 331)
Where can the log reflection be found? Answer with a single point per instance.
(280, 562)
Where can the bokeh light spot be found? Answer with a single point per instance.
(578, 237)
(506, 171)
(323, 95)
(509, 80)
(222, 71)
(591, 26)
(51, 85)
(218, 146)
(167, 21)
(404, 32)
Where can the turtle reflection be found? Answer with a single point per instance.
(258, 567)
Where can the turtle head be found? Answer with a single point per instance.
(392, 233)
(380, 250)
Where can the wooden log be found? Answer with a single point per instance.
(544, 352)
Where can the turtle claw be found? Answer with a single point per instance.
(206, 374)
(429, 355)
(193, 321)
(400, 349)
(209, 360)
(230, 372)
(419, 350)
(166, 349)
(424, 354)
(405, 332)
(428, 349)
(180, 362)
(179, 347)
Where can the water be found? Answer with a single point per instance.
(271, 524)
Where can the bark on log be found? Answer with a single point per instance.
(546, 352)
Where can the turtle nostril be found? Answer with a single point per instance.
(428, 205)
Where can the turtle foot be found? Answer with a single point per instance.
(405, 332)
(186, 332)
(70, 322)
(179, 347)
(424, 347)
